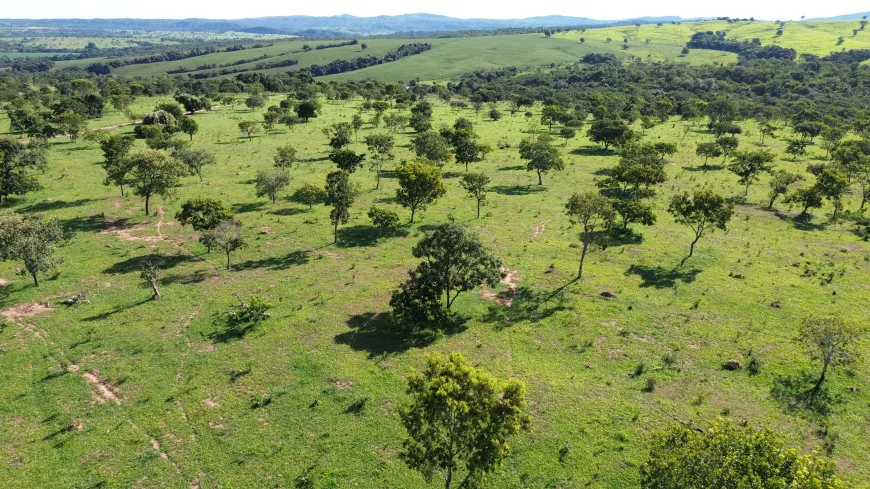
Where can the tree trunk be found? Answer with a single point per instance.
(147, 199)
(691, 249)
(540, 182)
(821, 380)
(156, 294)
(122, 189)
(772, 200)
(413, 211)
(35, 279)
(449, 477)
(378, 183)
(582, 259)
(335, 233)
(478, 208)
(228, 260)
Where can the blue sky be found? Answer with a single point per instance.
(760, 9)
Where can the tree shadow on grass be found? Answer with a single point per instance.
(797, 393)
(661, 277)
(106, 315)
(55, 205)
(364, 235)
(517, 189)
(624, 237)
(511, 168)
(187, 278)
(248, 207)
(229, 331)
(135, 263)
(526, 304)
(377, 334)
(85, 224)
(592, 151)
(293, 259)
(703, 168)
(288, 211)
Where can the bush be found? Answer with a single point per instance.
(384, 219)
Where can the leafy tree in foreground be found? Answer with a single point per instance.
(271, 182)
(155, 173)
(708, 150)
(460, 418)
(455, 261)
(203, 214)
(31, 240)
(339, 134)
(347, 159)
(309, 194)
(195, 159)
(188, 126)
(807, 197)
(541, 157)
(779, 184)
(285, 156)
(432, 147)
(340, 195)
(419, 185)
(749, 165)
(151, 276)
(17, 161)
(595, 213)
(727, 456)
(118, 167)
(609, 132)
(227, 236)
(475, 184)
(701, 212)
(383, 219)
(831, 341)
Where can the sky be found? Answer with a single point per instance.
(495, 9)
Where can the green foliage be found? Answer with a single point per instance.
(749, 165)
(285, 156)
(432, 147)
(249, 128)
(460, 418)
(309, 194)
(595, 214)
(831, 341)
(118, 167)
(31, 240)
(271, 182)
(17, 163)
(195, 160)
(541, 157)
(701, 212)
(203, 214)
(188, 126)
(419, 186)
(155, 173)
(228, 236)
(728, 456)
(476, 186)
(384, 219)
(346, 159)
(340, 195)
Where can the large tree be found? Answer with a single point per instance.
(270, 183)
(419, 186)
(195, 160)
(285, 156)
(118, 167)
(155, 173)
(203, 214)
(31, 240)
(460, 418)
(609, 132)
(228, 236)
(17, 163)
(541, 157)
(729, 456)
(749, 165)
(701, 212)
(432, 147)
(831, 341)
(594, 213)
(347, 159)
(340, 196)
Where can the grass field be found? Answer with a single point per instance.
(185, 388)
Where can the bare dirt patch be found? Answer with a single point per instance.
(211, 402)
(343, 385)
(504, 298)
(126, 233)
(24, 311)
(540, 228)
(104, 393)
(4, 282)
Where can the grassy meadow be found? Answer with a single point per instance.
(127, 392)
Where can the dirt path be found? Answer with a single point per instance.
(539, 229)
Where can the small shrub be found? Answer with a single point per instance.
(650, 385)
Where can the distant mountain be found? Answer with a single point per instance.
(857, 16)
(340, 24)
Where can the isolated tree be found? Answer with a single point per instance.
(339, 134)
(188, 126)
(595, 214)
(419, 186)
(609, 132)
(285, 156)
(767, 130)
(432, 147)
(150, 274)
(31, 240)
(340, 196)
(749, 165)
(831, 341)
(455, 261)
(460, 419)
(381, 146)
(154, 173)
(308, 109)
(346, 159)
(466, 149)
(357, 124)
(664, 149)
(708, 150)
(118, 167)
(476, 186)
(71, 124)
(309, 194)
(249, 128)
(228, 236)
(270, 118)
(540, 157)
(17, 162)
(728, 455)
(195, 160)
(567, 133)
(203, 214)
(271, 182)
(255, 102)
(807, 197)
(728, 145)
(701, 212)
(780, 183)
(383, 219)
